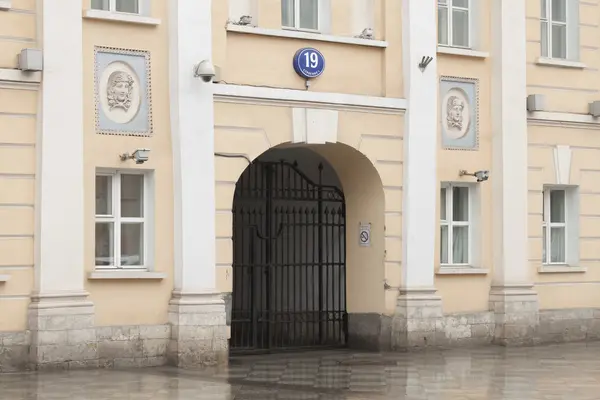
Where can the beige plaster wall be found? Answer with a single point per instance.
(566, 89)
(18, 109)
(368, 161)
(470, 293)
(263, 60)
(132, 302)
(566, 290)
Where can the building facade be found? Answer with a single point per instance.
(379, 174)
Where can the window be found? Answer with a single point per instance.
(454, 23)
(300, 14)
(560, 232)
(560, 29)
(455, 225)
(124, 6)
(121, 220)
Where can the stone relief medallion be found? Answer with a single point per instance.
(459, 113)
(119, 92)
(123, 97)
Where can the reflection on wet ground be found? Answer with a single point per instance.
(569, 371)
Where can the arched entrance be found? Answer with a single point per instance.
(289, 255)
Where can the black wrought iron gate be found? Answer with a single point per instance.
(289, 262)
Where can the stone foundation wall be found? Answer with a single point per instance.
(148, 345)
(14, 351)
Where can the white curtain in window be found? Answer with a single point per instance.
(128, 6)
(443, 25)
(460, 245)
(287, 13)
(444, 244)
(309, 14)
(557, 245)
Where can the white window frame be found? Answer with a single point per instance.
(571, 226)
(116, 219)
(450, 224)
(571, 25)
(470, 11)
(111, 6)
(322, 5)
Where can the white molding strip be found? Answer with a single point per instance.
(457, 51)
(5, 5)
(126, 275)
(18, 76)
(288, 97)
(4, 278)
(120, 17)
(583, 121)
(293, 34)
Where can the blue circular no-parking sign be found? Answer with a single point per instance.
(309, 63)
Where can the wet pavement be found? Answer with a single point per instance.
(569, 371)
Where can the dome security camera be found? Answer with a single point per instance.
(205, 71)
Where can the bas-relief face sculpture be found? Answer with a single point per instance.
(119, 89)
(454, 113)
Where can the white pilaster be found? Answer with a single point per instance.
(420, 144)
(59, 237)
(193, 146)
(61, 318)
(512, 297)
(509, 139)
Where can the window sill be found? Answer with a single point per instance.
(4, 278)
(560, 269)
(296, 34)
(458, 51)
(120, 17)
(126, 275)
(447, 270)
(5, 5)
(553, 62)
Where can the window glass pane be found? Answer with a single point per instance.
(460, 28)
(132, 196)
(559, 10)
(443, 25)
(460, 245)
(557, 245)
(460, 3)
(100, 5)
(287, 13)
(443, 204)
(442, 1)
(444, 244)
(545, 39)
(544, 9)
(128, 6)
(559, 41)
(105, 252)
(104, 195)
(544, 259)
(460, 204)
(309, 14)
(557, 206)
(132, 244)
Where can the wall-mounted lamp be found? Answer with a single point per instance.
(139, 155)
(425, 61)
(30, 60)
(536, 102)
(481, 176)
(595, 109)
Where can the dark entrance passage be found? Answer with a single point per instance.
(289, 261)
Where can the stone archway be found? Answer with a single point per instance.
(369, 169)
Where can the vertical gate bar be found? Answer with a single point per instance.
(269, 252)
(304, 268)
(255, 297)
(344, 295)
(327, 246)
(298, 325)
(320, 266)
(342, 283)
(314, 267)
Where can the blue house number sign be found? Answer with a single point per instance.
(309, 63)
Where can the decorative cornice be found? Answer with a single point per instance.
(565, 120)
(226, 93)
